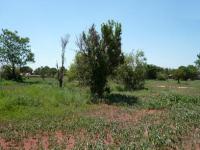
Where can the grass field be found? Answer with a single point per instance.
(37, 114)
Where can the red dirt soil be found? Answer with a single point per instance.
(32, 143)
(114, 113)
(45, 142)
(60, 137)
(3, 144)
(70, 143)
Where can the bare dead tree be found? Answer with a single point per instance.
(64, 42)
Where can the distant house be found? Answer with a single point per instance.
(170, 76)
(27, 75)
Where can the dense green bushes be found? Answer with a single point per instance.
(7, 74)
(132, 72)
(45, 72)
(185, 73)
(152, 71)
(162, 76)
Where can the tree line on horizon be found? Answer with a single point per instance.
(99, 58)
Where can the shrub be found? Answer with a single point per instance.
(161, 76)
(79, 70)
(132, 72)
(7, 74)
(152, 70)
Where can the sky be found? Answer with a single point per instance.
(168, 31)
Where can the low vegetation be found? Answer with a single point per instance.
(165, 115)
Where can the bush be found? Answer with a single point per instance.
(72, 73)
(132, 72)
(79, 70)
(6, 73)
(161, 76)
(152, 70)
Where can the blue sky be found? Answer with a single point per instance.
(168, 31)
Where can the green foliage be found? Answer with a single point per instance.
(185, 73)
(79, 70)
(179, 74)
(7, 74)
(26, 69)
(168, 101)
(197, 62)
(191, 72)
(162, 76)
(132, 72)
(102, 54)
(152, 70)
(72, 73)
(14, 50)
(45, 72)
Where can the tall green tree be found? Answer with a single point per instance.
(14, 50)
(102, 53)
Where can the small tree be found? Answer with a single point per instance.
(79, 70)
(61, 70)
(179, 74)
(132, 72)
(14, 50)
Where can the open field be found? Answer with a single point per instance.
(37, 114)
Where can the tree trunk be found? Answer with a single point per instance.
(13, 72)
(60, 83)
(178, 81)
(60, 77)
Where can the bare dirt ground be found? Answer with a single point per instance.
(115, 113)
(39, 142)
